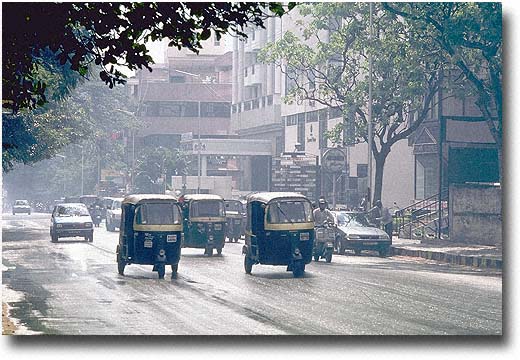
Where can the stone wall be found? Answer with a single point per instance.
(475, 214)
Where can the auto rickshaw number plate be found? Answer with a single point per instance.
(171, 238)
(148, 243)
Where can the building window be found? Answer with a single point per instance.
(177, 79)
(312, 116)
(247, 105)
(301, 130)
(245, 72)
(252, 69)
(335, 112)
(290, 80)
(215, 109)
(362, 170)
(173, 109)
(292, 120)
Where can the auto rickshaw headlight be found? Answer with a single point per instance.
(218, 226)
(162, 252)
(200, 226)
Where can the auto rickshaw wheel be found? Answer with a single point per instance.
(219, 251)
(209, 251)
(357, 252)
(248, 265)
(175, 269)
(316, 257)
(328, 258)
(298, 268)
(161, 270)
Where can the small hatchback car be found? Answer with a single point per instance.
(21, 206)
(70, 220)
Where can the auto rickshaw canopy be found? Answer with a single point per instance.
(136, 198)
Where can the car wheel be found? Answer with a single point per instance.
(90, 238)
(248, 265)
(357, 252)
(29, 213)
(14, 213)
(54, 238)
(384, 251)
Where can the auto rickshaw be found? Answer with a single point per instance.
(279, 231)
(150, 233)
(204, 222)
(235, 220)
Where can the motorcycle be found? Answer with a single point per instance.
(96, 215)
(324, 242)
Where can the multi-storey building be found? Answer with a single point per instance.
(258, 111)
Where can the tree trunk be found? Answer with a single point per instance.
(380, 160)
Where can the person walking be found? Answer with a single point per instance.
(384, 217)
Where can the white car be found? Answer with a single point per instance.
(114, 214)
(21, 206)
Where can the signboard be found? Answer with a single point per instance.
(333, 160)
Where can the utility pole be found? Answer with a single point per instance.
(370, 140)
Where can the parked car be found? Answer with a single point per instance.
(354, 232)
(114, 214)
(71, 220)
(21, 206)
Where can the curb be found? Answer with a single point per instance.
(456, 259)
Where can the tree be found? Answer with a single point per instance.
(334, 72)
(77, 35)
(469, 35)
(88, 113)
(155, 166)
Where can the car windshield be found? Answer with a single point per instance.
(21, 202)
(289, 211)
(349, 219)
(202, 208)
(234, 206)
(158, 214)
(72, 211)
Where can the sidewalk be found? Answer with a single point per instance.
(481, 256)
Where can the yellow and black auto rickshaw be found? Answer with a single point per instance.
(150, 233)
(279, 231)
(204, 218)
(235, 220)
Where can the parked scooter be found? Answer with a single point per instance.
(324, 242)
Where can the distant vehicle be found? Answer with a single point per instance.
(279, 231)
(204, 218)
(113, 220)
(88, 199)
(21, 206)
(71, 199)
(71, 220)
(235, 220)
(354, 232)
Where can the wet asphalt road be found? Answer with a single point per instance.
(73, 287)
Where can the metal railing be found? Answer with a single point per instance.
(420, 220)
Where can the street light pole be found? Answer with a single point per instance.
(370, 113)
(199, 156)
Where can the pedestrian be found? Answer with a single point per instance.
(395, 209)
(384, 218)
